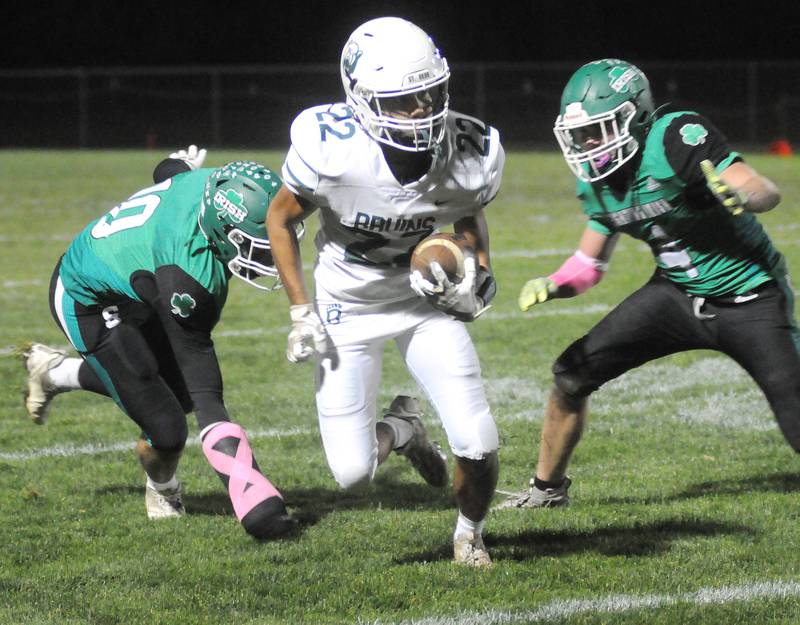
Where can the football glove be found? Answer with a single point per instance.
(732, 199)
(536, 291)
(466, 300)
(192, 156)
(307, 336)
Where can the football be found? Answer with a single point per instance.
(447, 249)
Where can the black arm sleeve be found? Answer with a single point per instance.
(168, 168)
(689, 139)
(188, 313)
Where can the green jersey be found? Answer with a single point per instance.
(153, 234)
(697, 244)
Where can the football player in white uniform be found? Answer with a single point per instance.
(386, 169)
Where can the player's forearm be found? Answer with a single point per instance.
(286, 254)
(762, 194)
(284, 212)
(476, 231)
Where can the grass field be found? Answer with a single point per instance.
(685, 496)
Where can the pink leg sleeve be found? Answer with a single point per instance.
(227, 450)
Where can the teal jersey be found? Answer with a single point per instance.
(155, 229)
(697, 244)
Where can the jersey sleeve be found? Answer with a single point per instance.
(493, 166)
(300, 169)
(691, 138)
(188, 312)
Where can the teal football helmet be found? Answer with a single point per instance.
(232, 217)
(606, 110)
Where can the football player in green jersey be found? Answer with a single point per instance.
(673, 181)
(137, 294)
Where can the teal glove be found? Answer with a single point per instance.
(536, 291)
(731, 199)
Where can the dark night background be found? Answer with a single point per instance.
(147, 32)
(234, 74)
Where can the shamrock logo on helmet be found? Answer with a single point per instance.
(621, 77)
(231, 202)
(693, 134)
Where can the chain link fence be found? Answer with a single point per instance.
(753, 103)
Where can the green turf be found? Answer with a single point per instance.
(681, 484)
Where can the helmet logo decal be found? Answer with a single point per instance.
(231, 202)
(351, 57)
(182, 304)
(621, 76)
(693, 134)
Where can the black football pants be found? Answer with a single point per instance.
(131, 361)
(659, 319)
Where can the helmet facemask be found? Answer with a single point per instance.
(253, 261)
(413, 121)
(594, 146)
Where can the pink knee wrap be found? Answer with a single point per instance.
(227, 450)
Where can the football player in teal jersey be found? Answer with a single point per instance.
(137, 294)
(672, 181)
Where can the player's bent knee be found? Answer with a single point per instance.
(169, 442)
(571, 374)
(353, 476)
(478, 441)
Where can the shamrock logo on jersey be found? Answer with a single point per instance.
(182, 304)
(621, 76)
(232, 202)
(351, 58)
(693, 134)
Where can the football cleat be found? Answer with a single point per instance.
(425, 456)
(538, 498)
(164, 504)
(39, 360)
(468, 549)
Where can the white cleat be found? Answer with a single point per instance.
(425, 456)
(164, 504)
(469, 550)
(39, 360)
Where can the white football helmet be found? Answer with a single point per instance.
(396, 83)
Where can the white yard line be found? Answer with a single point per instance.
(566, 608)
(69, 451)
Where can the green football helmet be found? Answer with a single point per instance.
(606, 111)
(232, 217)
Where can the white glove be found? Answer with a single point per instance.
(459, 300)
(192, 156)
(307, 336)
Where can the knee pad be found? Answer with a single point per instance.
(571, 373)
(476, 438)
(256, 502)
(353, 476)
(168, 439)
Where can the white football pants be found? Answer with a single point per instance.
(439, 354)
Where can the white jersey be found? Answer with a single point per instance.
(369, 222)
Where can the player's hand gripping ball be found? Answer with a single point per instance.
(448, 250)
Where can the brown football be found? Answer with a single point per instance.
(447, 249)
